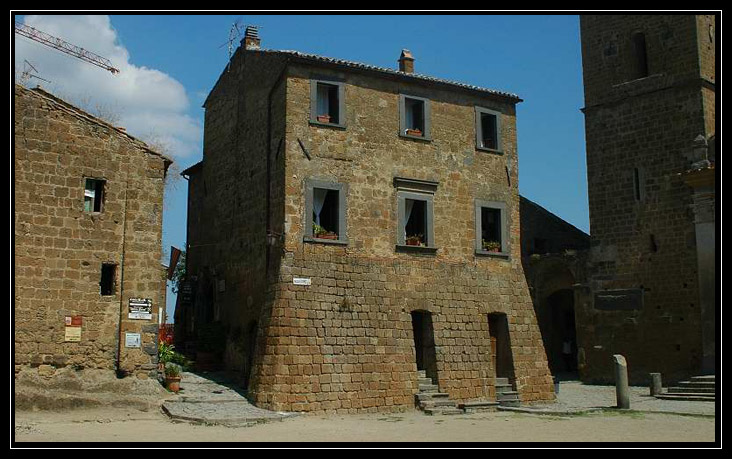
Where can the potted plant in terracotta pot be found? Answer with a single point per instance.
(415, 132)
(323, 118)
(415, 239)
(172, 376)
(321, 233)
(491, 246)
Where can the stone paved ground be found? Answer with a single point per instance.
(574, 396)
(209, 399)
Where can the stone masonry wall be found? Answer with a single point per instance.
(345, 343)
(646, 244)
(59, 248)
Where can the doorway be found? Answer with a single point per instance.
(501, 354)
(424, 343)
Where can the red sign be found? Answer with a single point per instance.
(73, 321)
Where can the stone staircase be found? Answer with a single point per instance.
(699, 388)
(430, 400)
(505, 395)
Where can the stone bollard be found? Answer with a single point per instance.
(622, 391)
(656, 387)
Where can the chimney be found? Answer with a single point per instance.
(251, 37)
(406, 62)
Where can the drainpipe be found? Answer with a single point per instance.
(121, 284)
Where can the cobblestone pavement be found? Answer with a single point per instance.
(574, 396)
(209, 399)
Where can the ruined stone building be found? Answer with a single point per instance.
(88, 202)
(650, 129)
(350, 225)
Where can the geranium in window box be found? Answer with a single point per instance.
(414, 132)
(323, 118)
(321, 233)
(491, 246)
(415, 239)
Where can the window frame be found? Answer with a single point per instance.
(479, 111)
(418, 190)
(314, 82)
(342, 190)
(505, 228)
(427, 111)
(102, 199)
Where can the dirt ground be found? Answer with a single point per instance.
(131, 425)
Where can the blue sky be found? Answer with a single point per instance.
(171, 62)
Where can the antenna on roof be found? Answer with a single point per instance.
(27, 75)
(234, 34)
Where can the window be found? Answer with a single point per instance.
(487, 129)
(491, 228)
(106, 284)
(415, 209)
(414, 117)
(639, 56)
(638, 184)
(93, 195)
(327, 105)
(325, 219)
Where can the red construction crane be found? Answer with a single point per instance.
(64, 46)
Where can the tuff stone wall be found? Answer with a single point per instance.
(646, 244)
(59, 248)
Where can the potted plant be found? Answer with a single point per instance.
(321, 233)
(323, 118)
(415, 132)
(491, 246)
(415, 239)
(172, 376)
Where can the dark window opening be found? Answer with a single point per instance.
(636, 184)
(414, 111)
(325, 213)
(93, 195)
(327, 110)
(488, 131)
(415, 227)
(491, 240)
(640, 57)
(108, 276)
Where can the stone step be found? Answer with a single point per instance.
(504, 388)
(687, 397)
(421, 373)
(424, 381)
(507, 397)
(502, 382)
(705, 378)
(443, 411)
(424, 404)
(428, 388)
(476, 407)
(513, 403)
(692, 390)
(431, 396)
(711, 384)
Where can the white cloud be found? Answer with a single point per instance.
(145, 101)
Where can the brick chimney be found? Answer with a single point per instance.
(251, 37)
(406, 62)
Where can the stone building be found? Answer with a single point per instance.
(88, 203)
(336, 228)
(649, 94)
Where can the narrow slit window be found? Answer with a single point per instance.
(326, 217)
(490, 223)
(415, 222)
(107, 281)
(640, 56)
(327, 104)
(489, 131)
(636, 184)
(93, 195)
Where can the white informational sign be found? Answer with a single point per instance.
(133, 340)
(302, 281)
(140, 308)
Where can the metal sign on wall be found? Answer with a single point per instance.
(72, 332)
(140, 308)
(133, 340)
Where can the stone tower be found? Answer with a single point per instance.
(649, 93)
